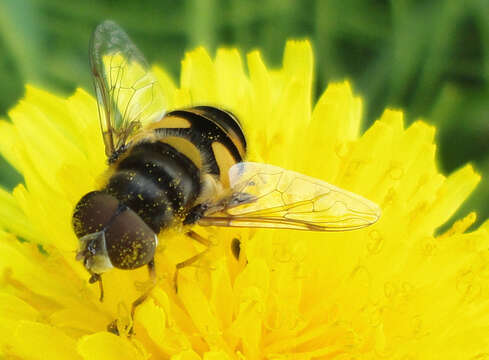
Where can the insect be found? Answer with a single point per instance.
(183, 167)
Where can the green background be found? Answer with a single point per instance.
(430, 58)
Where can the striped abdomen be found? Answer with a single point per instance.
(160, 176)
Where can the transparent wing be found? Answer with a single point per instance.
(128, 94)
(267, 196)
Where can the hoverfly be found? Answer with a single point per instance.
(185, 167)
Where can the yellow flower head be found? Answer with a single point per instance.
(393, 290)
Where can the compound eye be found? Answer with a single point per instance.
(93, 212)
(130, 242)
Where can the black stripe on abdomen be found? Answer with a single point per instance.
(226, 120)
(157, 182)
(202, 133)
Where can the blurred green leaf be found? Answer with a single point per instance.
(21, 35)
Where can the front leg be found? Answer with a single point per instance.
(112, 327)
(95, 278)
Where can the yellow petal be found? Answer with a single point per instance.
(336, 119)
(13, 310)
(232, 84)
(221, 298)
(107, 346)
(453, 193)
(199, 77)
(12, 218)
(298, 66)
(49, 152)
(186, 355)
(9, 145)
(216, 355)
(45, 342)
(197, 305)
(161, 330)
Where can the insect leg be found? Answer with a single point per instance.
(152, 278)
(94, 278)
(193, 235)
(112, 327)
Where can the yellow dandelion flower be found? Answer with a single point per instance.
(393, 290)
